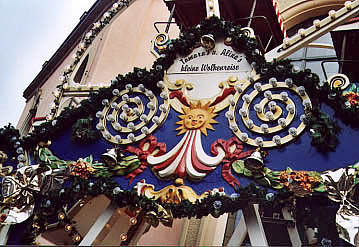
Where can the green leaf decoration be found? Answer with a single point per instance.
(46, 157)
(320, 188)
(356, 166)
(127, 165)
(288, 170)
(314, 174)
(102, 173)
(83, 133)
(275, 173)
(98, 165)
(272, 174)
(238, 166)
(264, 181)
(247, 173)
(89, 159)
(323, 130)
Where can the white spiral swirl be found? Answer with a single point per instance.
(268, 111)
(133, 113)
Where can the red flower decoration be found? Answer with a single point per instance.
(353, 98)
(3, 217)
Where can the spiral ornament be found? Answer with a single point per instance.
(132, 114)
(161, 40)
(271, 104)
(160, 43)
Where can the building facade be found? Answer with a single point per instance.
(116, 36)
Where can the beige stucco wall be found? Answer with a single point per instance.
(122, 45)
(163, 235)
(46, 97)
(128, 41)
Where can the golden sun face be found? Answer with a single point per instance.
(197, 117)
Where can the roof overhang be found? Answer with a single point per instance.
(188, 13)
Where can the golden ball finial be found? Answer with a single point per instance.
(179, 182)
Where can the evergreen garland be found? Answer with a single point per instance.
(9, 139)
(48, 207)
(349, 114)
(323, 130)
(83, 132)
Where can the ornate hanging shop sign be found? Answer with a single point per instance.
(189, 135)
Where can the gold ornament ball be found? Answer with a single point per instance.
(123, 237)
(77, 238)
(82, 203)
(61, 216)
(68, 227)
(179, 182)
(133, 221)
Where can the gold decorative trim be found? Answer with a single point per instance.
(184, 87)
(170, 194)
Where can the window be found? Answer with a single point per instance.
(311, 57)
(81, 71)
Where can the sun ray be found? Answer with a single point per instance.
(197, 116)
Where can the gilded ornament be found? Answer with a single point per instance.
(159, 215)
(68, 227)
(61, 216)
(232, 79)
(6, 170)
(228, 41)
(170, 194)
(76, 237)
(197, 117)
(123, 237)
(133, 221)
(342, 187)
